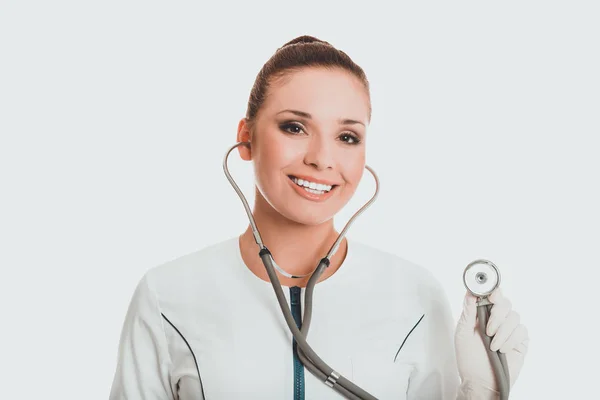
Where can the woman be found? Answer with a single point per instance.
(208, 325)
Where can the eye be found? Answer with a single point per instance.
(292, 127)
(349, 138)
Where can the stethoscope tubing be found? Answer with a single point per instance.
(307, 355)
(497, 359)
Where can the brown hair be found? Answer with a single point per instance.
(303, 51)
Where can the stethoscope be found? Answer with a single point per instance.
(481, 278)
(306, 354)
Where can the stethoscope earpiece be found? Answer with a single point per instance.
(481, 278)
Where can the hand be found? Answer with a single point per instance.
(510, 337)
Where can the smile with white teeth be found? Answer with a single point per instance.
(311, 187)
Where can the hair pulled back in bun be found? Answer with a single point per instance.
(301, 52)
(305, 39)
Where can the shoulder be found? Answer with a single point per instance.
(395, 274)
(387, 263)
(195, 271)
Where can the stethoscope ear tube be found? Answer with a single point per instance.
(481, 278)
(306, 354)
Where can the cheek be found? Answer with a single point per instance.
(354, 168)
(271, 157)
(275, 152)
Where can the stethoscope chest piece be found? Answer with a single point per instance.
(481, 278)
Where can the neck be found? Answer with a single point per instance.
(296, 248)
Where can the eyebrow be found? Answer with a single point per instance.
(344, 121)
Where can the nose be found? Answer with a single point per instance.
(319, 153)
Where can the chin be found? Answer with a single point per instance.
(308, 217)
(304, 212)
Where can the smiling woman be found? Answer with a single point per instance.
(207, 325)
(311, 126)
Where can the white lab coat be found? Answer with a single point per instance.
(232, 321)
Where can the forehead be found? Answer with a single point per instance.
(324, 93)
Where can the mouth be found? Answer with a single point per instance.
(312, 187)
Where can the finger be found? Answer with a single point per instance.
(469, 313)
(505, 330)
(500, 310)
(523, 347)
(497, 296)
(518, 336)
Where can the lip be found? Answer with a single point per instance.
(315, 180)
(312, 196)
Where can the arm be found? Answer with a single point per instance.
(436, 374)
(143, 368)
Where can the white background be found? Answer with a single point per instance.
(115, 117)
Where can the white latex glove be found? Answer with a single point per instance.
(511, 337)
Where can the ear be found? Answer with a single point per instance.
(244, 135)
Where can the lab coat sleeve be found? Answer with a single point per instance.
(436, 373)
(143, 362)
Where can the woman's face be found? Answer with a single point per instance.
(308, 143)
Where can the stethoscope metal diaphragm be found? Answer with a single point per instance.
(481, 278)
